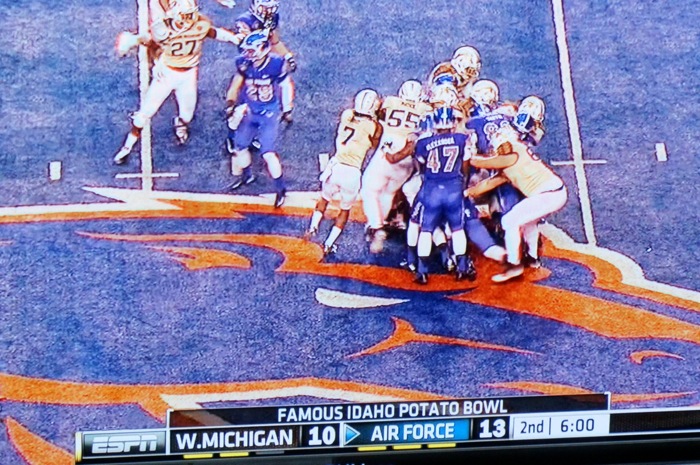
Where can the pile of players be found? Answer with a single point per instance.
(259, 97)
(460, 158)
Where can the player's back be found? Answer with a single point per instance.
(183, 49)
(529, 174)
(485, 125)
(442, 155)
(401, 117)
(354, 138)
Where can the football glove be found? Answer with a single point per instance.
(125, 42)
(291, 62)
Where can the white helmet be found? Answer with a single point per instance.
(467, 62)
(367, 102)
(485, 92)
(533, 106)
(444, 95)
(184, 13)
(411, 90)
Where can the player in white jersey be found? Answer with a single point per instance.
(358, 133)
(179, 35)
(544, 193)
(399, 117)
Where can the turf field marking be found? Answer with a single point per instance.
(570, 162)
(55, 170)
(144, 80)
(572, 118)
(143, 176)
(337, 299)
(632, 273)
(661, 153)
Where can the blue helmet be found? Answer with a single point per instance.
(255, 46)
(444, 118)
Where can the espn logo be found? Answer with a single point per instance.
(128, 442)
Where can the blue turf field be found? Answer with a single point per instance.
(92, 310)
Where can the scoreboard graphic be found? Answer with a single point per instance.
(330, 429)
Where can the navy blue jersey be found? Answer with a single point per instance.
(261, 90)
(485, 126)
(442, 155)
(248, 22)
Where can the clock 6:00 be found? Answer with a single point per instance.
(578, 426)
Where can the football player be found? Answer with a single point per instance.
(263, 14)
(460, 71)
(263, 86)
(445, 157)
(358, 132)
(544, 193)
(529, 120)
(399, 117)
(179, 35)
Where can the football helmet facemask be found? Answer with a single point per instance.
(530, 112)
(444, 95)
(185, 14)
(264, 10)
(485, 93)
(467, 62)
(256, 46)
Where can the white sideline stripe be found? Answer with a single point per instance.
(570, 162)
(144, 78)
(144, 176)
(194, 401)
(632, 273)
(572, 118)
(294, 199)
(38, 210)
(661, 153)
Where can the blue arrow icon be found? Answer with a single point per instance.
(350, 433)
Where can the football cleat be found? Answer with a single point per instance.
(513, 271)
(309, 233)
(280, 197)
(469, 273)
(405, 264)
(241, 181)
(421, 278)
(377, 243)
(532, 262)
(121, 156)
(329, 249)
(181, 131)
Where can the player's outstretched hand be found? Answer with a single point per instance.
(125, 42)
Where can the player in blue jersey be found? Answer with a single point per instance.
(263, 14)
(263, 88)
(444, 156)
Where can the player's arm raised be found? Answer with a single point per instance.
(280, 48)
